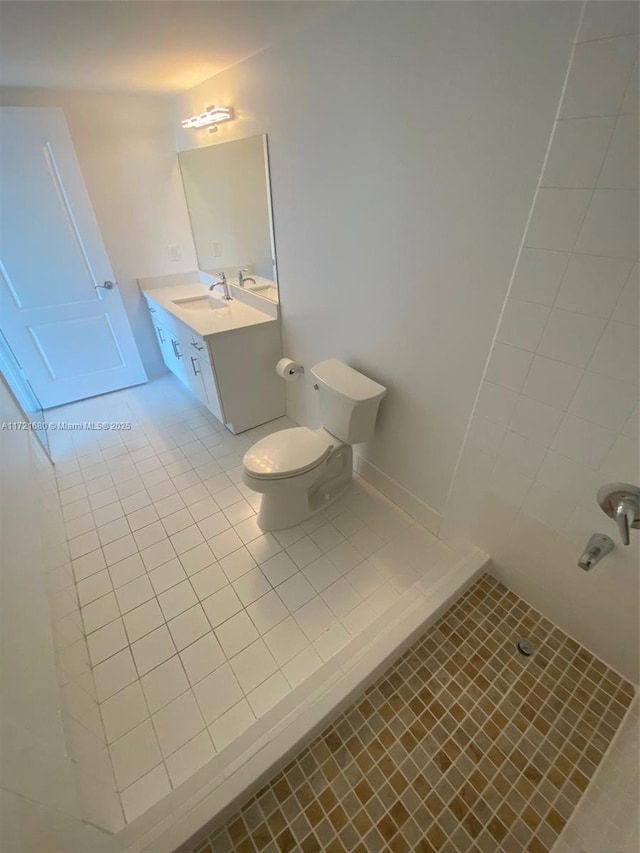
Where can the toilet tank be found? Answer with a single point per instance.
(348, 400)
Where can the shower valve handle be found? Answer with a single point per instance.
(625, 514)
(621, 502)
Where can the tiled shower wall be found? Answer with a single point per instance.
(557, 410)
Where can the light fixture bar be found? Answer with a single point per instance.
(209, 118)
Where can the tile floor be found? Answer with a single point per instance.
(462, 745)
(197, 622)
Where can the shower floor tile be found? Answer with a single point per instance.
(462, 745)
(197, 622)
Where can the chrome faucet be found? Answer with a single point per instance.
(598, 547)
(225, 286)
(243, 278)
(621, 502)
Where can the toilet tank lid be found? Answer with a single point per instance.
(344, 380)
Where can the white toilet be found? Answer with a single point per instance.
(299, 471)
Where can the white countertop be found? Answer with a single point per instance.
(235, 314)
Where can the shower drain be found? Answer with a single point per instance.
(525, 647)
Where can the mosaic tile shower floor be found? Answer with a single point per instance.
(462, 745)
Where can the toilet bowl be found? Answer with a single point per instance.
(299, 471)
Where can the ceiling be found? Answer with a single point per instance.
(143, 46)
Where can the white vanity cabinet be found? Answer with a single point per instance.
(232, 372)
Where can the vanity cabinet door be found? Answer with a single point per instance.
(171, 352)
(177, 360)
(165, 345)
(202, 378)
(196, 379)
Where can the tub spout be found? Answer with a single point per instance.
(598, 547)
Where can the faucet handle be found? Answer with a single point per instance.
(621, 501)
(625, 514)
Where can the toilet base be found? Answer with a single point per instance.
(296, 502)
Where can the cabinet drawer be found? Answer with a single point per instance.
(158, 315)
(165, 319)
(197, 345)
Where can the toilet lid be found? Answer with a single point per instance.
(286, 453)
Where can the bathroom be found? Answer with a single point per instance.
(454, 211)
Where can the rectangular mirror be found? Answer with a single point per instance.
(229, 200)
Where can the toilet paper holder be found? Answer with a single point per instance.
(288, 369)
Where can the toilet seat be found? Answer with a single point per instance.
(287, 453)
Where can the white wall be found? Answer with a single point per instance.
(557, 412)
(127, 155)
(43, 792)
(405, 142)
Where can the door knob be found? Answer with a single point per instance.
(107, 285)
(621, 501)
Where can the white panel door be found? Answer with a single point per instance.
(69, 333)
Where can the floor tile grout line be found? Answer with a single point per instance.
(124, 613)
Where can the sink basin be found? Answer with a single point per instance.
(269, 291)
(208, 302)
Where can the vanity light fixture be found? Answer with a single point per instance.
(210, 118)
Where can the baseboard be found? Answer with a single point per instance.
(406, 500)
